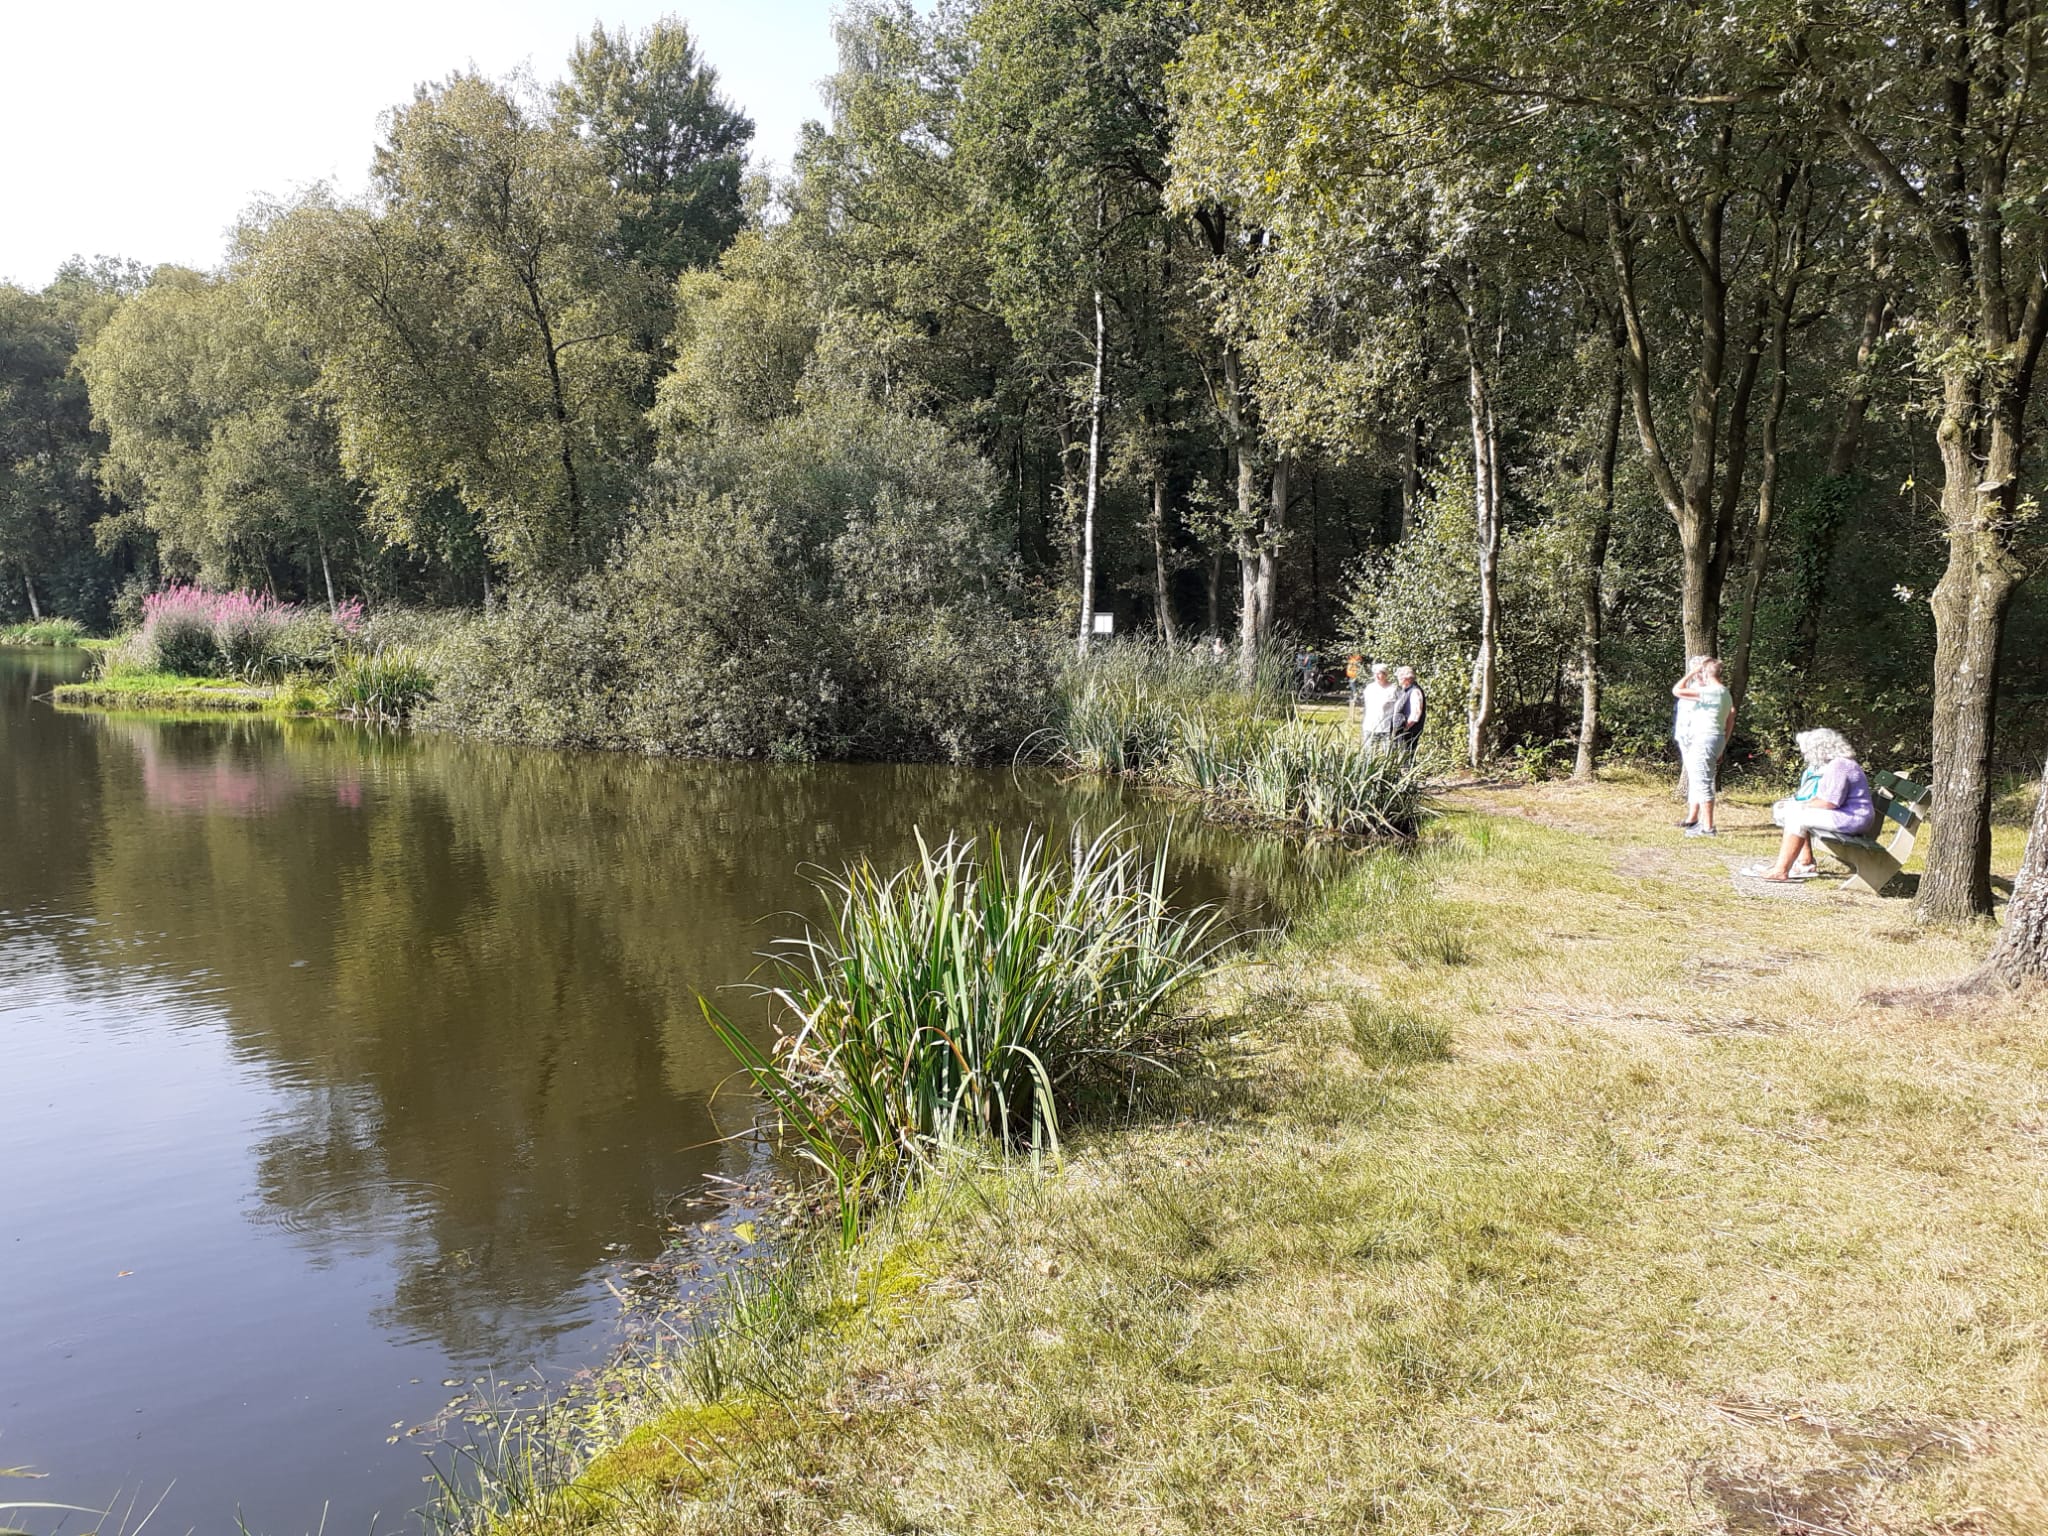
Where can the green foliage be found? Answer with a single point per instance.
(53, 632)
(674, 147)
(473, 324)
(827, 587)
(49, 498)
(388, 683)
(1179, 717)
(214, 434)
(965, 998)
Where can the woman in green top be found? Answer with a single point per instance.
(1706, 713)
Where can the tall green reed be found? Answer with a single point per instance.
(1184, 719)
(962, 998)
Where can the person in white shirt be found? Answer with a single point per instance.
(1376, 706)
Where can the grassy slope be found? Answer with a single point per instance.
(1555, 1187)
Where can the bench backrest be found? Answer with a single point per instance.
(1900, 800)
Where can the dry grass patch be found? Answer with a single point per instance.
(1551, 1186)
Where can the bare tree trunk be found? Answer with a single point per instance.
(1162, 584)
(327, 575)
(1411, 474)
(1247, 567)
(1486, 517)
(2020, 957)
(35, 609)
(1094, 486)
(1269, 542)
(1970, 604)
(1486, 498)
(1591, 580)
(1214, 584)
(1832, 500)
(1766, 503)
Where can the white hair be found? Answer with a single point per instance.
(1821, 747)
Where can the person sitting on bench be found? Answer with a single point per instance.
(1839, 801)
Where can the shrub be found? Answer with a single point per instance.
(831, 608)
(246, 630)
(963, 997)
(385, 684)
(177, 626)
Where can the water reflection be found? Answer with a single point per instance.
(465, 979)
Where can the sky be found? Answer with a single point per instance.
(141, 129)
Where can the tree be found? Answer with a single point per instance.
(673, 147)
(2020, 957)
(474, 325)
(1944, 110)
(215, 435)
(49, 498)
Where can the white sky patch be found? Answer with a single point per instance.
(141, 129)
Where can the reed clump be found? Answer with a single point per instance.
(1166, 715)
(43, 632)
(968, 998)
(385, 684)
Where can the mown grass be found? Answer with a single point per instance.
(1546, 1182)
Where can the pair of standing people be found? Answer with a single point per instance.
(1706, 714)
(1393, 711)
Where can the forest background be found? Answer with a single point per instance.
(1538, 345)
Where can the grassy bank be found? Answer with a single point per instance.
(1546, 1182)
(169, 692)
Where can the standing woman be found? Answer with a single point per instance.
(1706, 712)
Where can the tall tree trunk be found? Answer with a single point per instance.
(35, 609)
(1411, 475)
(1704, 522)
(1840, 489)
(1970, 604)
(2020, 957)
(1214, 585)
(1094, 486)
(1486, 499)
(1269, 542)
(327, 575)
(1246, 534)
(1591, 580)
(1248, 622)
(1766, 502)
(1162, 582)
(1992, 280)
(1486, 518)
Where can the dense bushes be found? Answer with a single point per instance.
(829, 587)
(192, 632)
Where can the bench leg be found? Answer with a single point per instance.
(1873, 867)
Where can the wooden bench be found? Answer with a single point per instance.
(1872, 863)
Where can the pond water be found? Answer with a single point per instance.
(344, 1072)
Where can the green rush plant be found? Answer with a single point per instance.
(960, 999)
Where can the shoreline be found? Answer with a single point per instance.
(1478, 1163)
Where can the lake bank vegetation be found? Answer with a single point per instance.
(53, 633)
(1465, 345)
(1493, 1190)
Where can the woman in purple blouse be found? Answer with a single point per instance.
(1840, 802)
